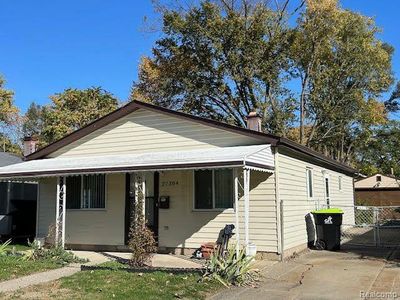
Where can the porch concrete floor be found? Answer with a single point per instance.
(158, 260)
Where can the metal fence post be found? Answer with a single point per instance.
(376, 230)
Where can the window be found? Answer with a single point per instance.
(86, 192)
(310, 187)
(213, 189)
(327, 192)
(340, 183)
(378, 178)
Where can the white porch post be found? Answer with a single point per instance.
(246, 188)
(144, 194)
(57, 213)
(64, 207)
(140, 185)
(237, 212)
(60, 211)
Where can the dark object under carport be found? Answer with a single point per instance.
(328, 223)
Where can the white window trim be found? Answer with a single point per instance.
(105, 196)
(309, 169)
(327, 176)
(231, 209)
(340, 183)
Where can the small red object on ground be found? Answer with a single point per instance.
(208, 249)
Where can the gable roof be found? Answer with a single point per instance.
(371, 182)
(271, 139)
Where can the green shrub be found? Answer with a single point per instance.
(55, 254)
(232, 270)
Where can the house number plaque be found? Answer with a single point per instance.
(169, 183)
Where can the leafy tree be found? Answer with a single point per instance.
(343, 69)
(8, 145)
(382, 152)
(73, 109)
(221, 61)
(393, 103)
(33, 120)
(318, 82)
(8, 111)
(9, 121)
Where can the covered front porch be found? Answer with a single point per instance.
(189, 196)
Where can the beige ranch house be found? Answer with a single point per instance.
(198, 175)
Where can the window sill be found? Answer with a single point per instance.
(214, 210)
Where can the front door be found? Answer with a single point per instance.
(151, 203)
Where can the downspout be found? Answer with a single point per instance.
(246, 186)
(279, 207)
(237, 212)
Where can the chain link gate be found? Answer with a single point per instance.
(371, 225)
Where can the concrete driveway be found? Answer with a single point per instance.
(352, 273)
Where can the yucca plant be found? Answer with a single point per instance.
(232, 269)
(3, 247)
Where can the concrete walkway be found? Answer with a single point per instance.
(43, 277)
(38, 278)
(349, 274)
(157, 260)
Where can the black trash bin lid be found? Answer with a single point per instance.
(328, 211)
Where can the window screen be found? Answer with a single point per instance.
(93, 191)
(203, 189)
(213, 189)
(73, 196)
(223, 188)
(86, 191)
(3, 198)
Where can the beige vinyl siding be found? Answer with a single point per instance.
(182, 226)
(88, 227)
(46, 206)
(179, 226)
(296, 204)
(145, 131)
(344, 198)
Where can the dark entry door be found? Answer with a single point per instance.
(151, 203)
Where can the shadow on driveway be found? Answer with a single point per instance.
(351, 273)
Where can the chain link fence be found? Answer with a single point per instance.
(371, 225)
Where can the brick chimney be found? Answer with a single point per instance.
(254, 121)
(30, 145)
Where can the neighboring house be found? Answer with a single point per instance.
(17, 204)
(378, 190)
(198, 176)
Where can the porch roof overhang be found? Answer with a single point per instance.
(255, 157)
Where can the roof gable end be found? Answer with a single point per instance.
(134, 106)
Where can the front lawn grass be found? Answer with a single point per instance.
(120, 284)
(12, 267)
(18, 247)
(117, 283)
